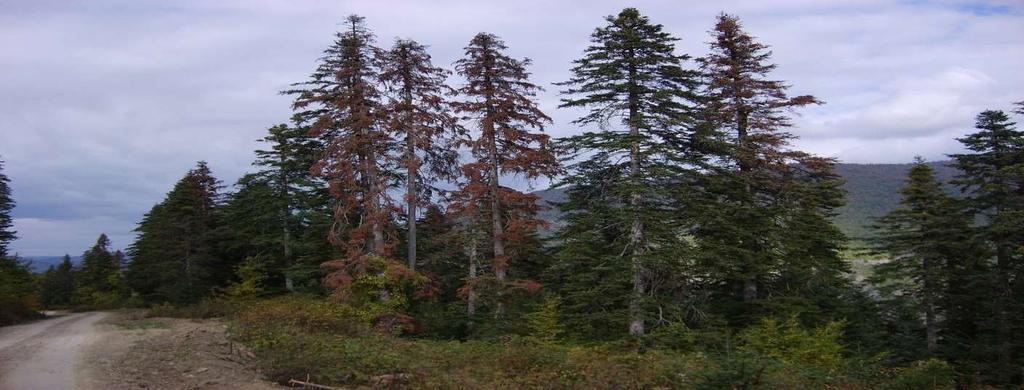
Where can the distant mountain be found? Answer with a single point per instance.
(41, 263)
(871, 191)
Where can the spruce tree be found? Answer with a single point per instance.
(17, 291)
(768, 207)
(7, 233)
(175, 257)
(626, 174)
(500, 99)
(992, 176)
(357, 160)
(270, 213)
(98, 264)
(924, 239)
(58, 284)
(418, 112)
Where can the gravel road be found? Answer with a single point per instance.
(45, 354)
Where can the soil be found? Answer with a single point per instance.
(133, 352)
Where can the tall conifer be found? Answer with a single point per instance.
(97, 266)
(419, 112)
(500, 99)
(641, 101)
(175, 257)
(763, 190)
(7, 233)
(925, 238)
(992, 175)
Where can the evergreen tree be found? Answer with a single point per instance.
(175, 257)
(765, 227)
(419, 112)
(624, 181)
(98, 264)
(993, 178)
(17, 291)
(270, 212)
(500, 100)
(925, 238)
(57, 287)
(7, 234)
(358, 155)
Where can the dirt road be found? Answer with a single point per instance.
(45, 354)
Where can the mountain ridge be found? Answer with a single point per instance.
(872, 190)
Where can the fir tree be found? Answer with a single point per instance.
(767, 202)
(58, 284)
(358, 153)
(500, 100)
(17, 291)
(993, 178)
(7, 234)
(925, 239)
(98, 264)
(175, 257)
(269, 213)
(419, 112)
(624, 180)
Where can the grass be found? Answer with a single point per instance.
(300, 337)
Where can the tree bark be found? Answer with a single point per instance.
(636, 315)
(498, 228)
(636, 236)
(471, 297)
(931, 331)
(500, 260)
(750, 284)
(412, 171)
(286, 234)
(1004, 350)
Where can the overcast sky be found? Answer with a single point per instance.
(105, 104)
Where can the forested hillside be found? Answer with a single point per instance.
(871, 191)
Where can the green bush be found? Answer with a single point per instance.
(788, 342)
(207, 308)
(18, 309)
(545, 324)
(925, 374)
(334, 343)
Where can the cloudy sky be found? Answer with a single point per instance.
(105, 104)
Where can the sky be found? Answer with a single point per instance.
(104, 104)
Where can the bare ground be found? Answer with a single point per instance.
(167, 353)
(47, 354)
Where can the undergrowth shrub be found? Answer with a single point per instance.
(925, 374)
(207, 308)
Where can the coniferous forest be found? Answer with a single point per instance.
(386, 228)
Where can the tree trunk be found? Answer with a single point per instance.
(410, 195)
(1004, 350)
(471, 297)
(286, 234)
(636, 234)
(930, 327)
(500, 260)
(636, 237)
(374, 207)
(373, 210)
(412, 171)
(750, 285)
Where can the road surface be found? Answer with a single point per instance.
(45, 354)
